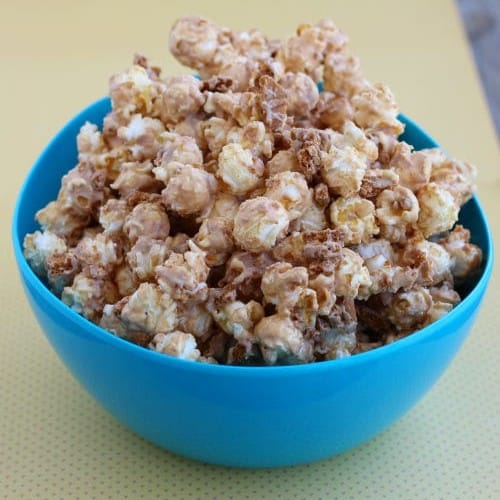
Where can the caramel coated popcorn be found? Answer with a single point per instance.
(244, 216)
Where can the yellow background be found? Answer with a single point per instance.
(55, 441)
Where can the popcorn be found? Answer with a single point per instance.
(302, 93)
(375, 108)
(39, 247)
(413, 168)
(149, 309)
(355, 217)
(98, 255)
(259, 223)
(291, 190)
(409, 310)
(239, 319)
(465, 256)
(142, 136)
(282, 284)
(176, 152)
(133, 91)
(145, 255)
(244, 217)
(181, 98)
(215, 238)
(238, 169)
(184, 275)
(178, 344)
(87, 296)
(136, 176)
(279, 338)
(146, 218)
(438, 210)
(191, 191)
(343, 170)
(397, 212)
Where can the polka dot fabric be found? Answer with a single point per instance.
(56, 442)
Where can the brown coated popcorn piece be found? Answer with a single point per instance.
(430, 259)
(98, 255)
(309, 246)
(386, 274)
(61, 270)
(455, 176)
(291, 190)
(397, 213)
(342, 73)
(272, 102)
(145, 255)
(352, 278)
(302, 93)
(444, 299)
(282, 283)
(149, 309)
(176, 152)
(283, 161)
(355, 217)
(375, 108)
(125, 280)
(181, 98)
(190, 191)
(412, 168)
(335, 335)
(184, 276)
(135, 91)
(281, 340)
(438, 209)
(237, 318)
(215, 238)
(377, 180)
(146, 219)
(195, 318)
(215, 131)
(142, 136)
(465, 256)
(82, 190)
(178, 344)
(136, 176)
(332, 111)
(242, 107)
(39, 246)
(386, 143)
(305, 51)
(342, 170)
(200, 44)
(253, 136)
(259, 223)
(244, 273)
(238, 169)
(408, 310)
(87, 296)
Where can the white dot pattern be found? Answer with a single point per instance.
(56, 442)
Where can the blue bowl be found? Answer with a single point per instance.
(241, 416)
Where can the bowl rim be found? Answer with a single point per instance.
(104, 336)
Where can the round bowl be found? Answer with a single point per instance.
(241, 416)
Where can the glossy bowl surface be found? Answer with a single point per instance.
(241, 416)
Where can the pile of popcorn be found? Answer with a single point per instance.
(245, 217)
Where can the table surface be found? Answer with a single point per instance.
(55, 441)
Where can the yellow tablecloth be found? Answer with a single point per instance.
(55, 441)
